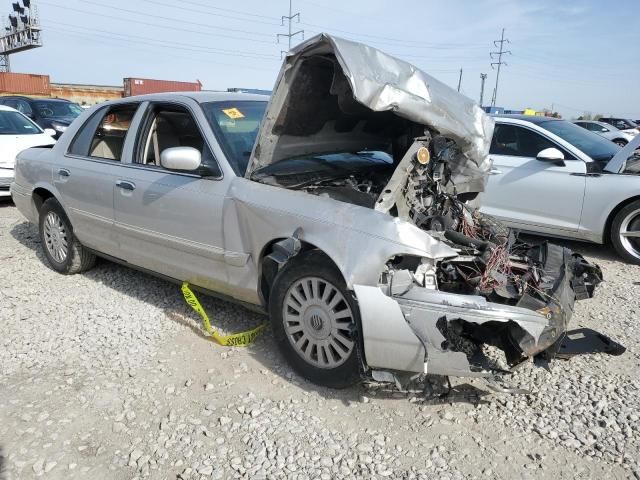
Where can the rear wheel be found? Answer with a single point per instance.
(620, 141)
(314, 319)
(625, 232)
(64, 252)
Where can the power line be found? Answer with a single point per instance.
(127, 44)
(166, 43)
(501, 52)
(181, 7)
(397, 42)
(289, 19)
(206, 5)
(173, 20)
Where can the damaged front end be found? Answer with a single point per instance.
(352, 124)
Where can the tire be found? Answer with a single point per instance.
(626, 221)
(331, 357)
(620, 141)
(62, 249)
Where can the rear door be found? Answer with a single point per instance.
(85, 175)
(528, 193)
(169, 221)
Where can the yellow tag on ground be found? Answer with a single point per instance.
(233, 113)
(241, 339)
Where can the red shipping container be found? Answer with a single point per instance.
(24, 83)
(142, 86)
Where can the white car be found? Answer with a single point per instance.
(617, 136)
(17, 133)
(554, 178)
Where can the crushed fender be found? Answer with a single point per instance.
(240, 339)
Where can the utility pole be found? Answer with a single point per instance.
(291, 34)
(460, 80)
(483, 77)
(499, 63)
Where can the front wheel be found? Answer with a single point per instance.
(621, 142)
(64, 252)
(625, 232)
(315, 321)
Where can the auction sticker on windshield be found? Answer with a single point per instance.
(233, 113)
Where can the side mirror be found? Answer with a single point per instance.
(180, 158)
(50, 131)
(551, 155)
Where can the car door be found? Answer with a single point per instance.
(528, 193)
(85, 175)
(170, 221)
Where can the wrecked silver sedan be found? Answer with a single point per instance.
(346, 213)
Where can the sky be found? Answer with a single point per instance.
(574, 57)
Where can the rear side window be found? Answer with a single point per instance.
(103, 135)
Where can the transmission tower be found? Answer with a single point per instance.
(499, 63)
(483, 77)
(289, 18)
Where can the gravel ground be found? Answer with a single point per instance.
(106, 375)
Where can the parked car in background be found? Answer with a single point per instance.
(338, 208)
(17, 132)
(554, 178)
(623, 124)
(607, 131)
(52, 113)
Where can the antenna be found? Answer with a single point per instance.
(21, 32)
(289, 35)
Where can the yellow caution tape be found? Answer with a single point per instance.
(241, 339)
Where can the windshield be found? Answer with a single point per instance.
(236, 125)
(14, 123)
(597, 147)
(50, 109)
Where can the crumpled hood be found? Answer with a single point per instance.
(337, 95)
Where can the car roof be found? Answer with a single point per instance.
(36, 99)
(200, 97)
(535, 119)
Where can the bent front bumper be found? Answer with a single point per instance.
(435, 332)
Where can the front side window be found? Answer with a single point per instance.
(517, 141)
(57, 109)
(14, 123)
(597, 147)
(236, 124)
(171, 126)
(103, 134)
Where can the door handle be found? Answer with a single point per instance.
(495, 171)
(125, 185)
(63, 172)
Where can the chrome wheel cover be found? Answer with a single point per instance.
(318, 322)
(55, 237)
(630, 233)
